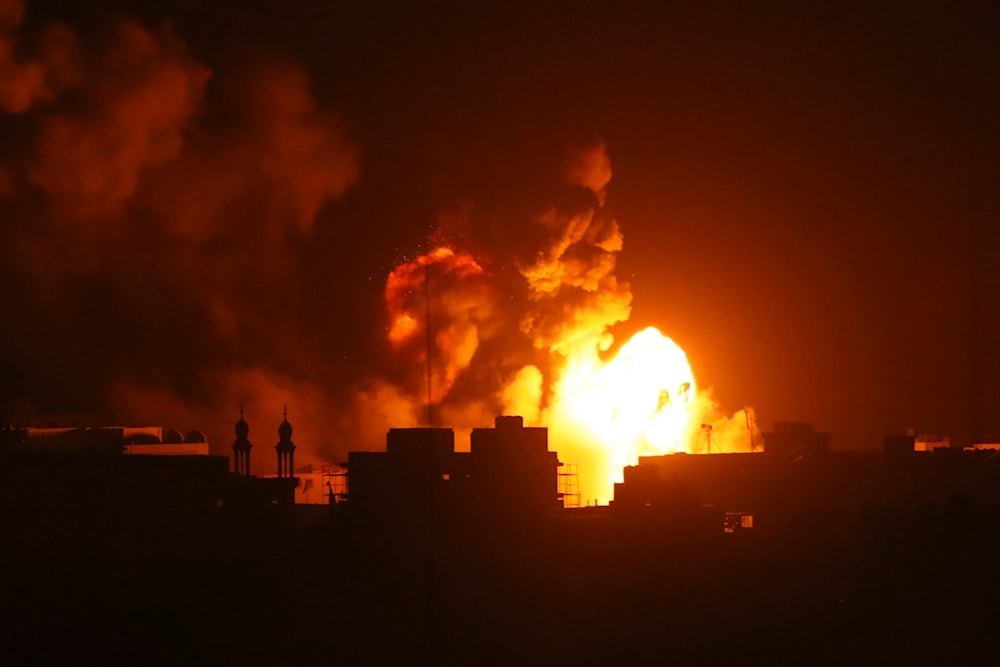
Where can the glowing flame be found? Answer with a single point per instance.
(639, 400)
(602, 413)
(636, 404)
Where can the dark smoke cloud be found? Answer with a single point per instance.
(155, 211)
(129, 119)
(270, 161)
(170, 251)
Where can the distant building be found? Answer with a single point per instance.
(899, 445)
(511, 468)
(109, 485)
(118, 470)
(895, 446)
(795, 440)
(798, 476)
(418, 469)
(148, 440)
(647, 498)
(158, 441)
(508, 471)
(928, 443)
(984, 447)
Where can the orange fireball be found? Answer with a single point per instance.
(610, 413)
(602, 413)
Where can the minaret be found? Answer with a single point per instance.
(285, 448)
(242, 447)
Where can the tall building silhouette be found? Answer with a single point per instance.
(508, 471)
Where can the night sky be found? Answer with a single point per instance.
(200, 203)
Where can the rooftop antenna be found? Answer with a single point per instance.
(707, 428)
(431, 574)
(749, 428)
(427, 331)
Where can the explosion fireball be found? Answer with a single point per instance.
(638, 403)
(604, 410)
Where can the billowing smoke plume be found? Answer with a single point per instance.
(171, 246)
(604, 409)
(574, 293)
(155, 214)
(131, 108)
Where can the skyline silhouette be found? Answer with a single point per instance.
(444, 557)
(542, 275)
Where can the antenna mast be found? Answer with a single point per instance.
(707, 428)
(427, 330)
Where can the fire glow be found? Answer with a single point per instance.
(603, 413)
(604, 407)
(638, 403)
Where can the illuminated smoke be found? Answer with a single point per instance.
(575, 296)
(605, 410)
(141, 91)
(262, 395)
(267, 171)
(604, 407)
(738, 432)
(523, 395)
(453, 291)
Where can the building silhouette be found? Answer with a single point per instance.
(124, 470)
(508, 471)
(445, 557)
(798, 476)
